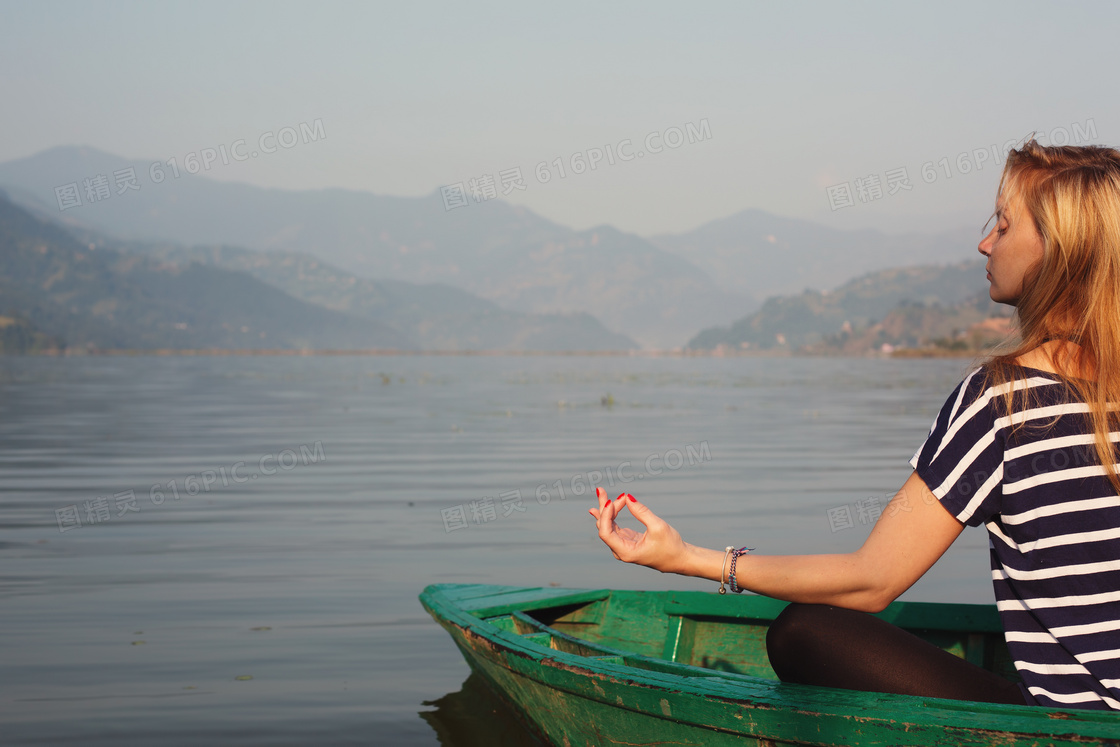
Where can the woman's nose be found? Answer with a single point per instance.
(985, 245)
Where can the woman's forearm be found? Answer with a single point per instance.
(840, 580)
(905, 542)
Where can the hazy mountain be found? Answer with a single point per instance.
(56, 287)
(765, 255)
(503, 253)
(97, 290)
(811, 317)
(433, 316)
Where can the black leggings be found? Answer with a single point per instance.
(814, 644)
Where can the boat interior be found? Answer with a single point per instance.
(696, 633)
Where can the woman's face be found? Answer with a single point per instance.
(1013, 247)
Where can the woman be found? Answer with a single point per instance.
(1025, 445)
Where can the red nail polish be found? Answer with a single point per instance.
(632, 498)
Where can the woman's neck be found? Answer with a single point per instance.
(1062, 357)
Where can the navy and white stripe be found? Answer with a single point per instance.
(1053, 522)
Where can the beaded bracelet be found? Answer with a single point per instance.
(734, 558)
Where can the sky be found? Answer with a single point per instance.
(892, 116)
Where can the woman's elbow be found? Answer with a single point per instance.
(873, 600)
(875, 604)
(876, 587)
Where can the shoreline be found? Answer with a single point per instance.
(390, 352)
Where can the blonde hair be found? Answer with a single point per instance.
(1072, 195)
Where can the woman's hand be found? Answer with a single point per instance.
(659, 547)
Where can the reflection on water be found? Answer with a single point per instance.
(475, 717)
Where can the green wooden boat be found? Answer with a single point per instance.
(603, 667)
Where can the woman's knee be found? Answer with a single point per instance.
(789, 634)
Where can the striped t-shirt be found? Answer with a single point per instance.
(1053, 524)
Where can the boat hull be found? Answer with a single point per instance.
(573, 690)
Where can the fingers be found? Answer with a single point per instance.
(608, 530)
(654, 524)
(616, 538)
(615, 505)
(601, 494)
(604, 502)
(640, 511)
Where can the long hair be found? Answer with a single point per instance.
(1072, 194)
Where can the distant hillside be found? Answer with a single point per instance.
(432, 316)
(969, 327)
(505, 254)
(91, 290)
(57, 291)
(766, 255)
(18, 335)
(899, 307)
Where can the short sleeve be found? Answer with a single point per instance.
(961, 461)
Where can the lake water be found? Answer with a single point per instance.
(230, 549)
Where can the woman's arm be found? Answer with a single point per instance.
(906, 541)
